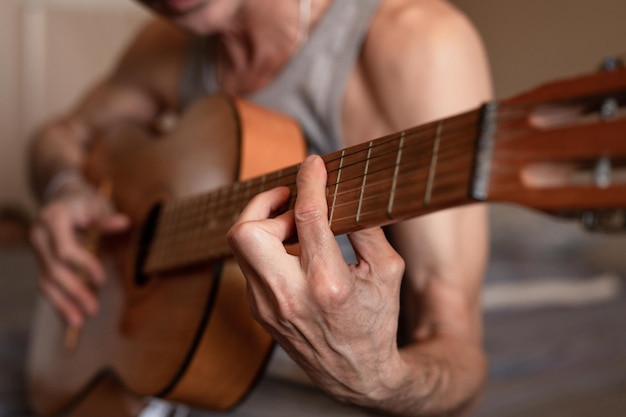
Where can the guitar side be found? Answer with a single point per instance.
(174, 334)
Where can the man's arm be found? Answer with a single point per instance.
(135, 91)
(338, 321)
(437, 69)
(143, 82)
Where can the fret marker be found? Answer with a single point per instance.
(332, 208)
(367, 165)
(392, 195)
(433, 166)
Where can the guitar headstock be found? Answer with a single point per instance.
(560, 148)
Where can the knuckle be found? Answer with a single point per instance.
(235, 232)
(331, 293)
(396, 264)
(246, 232)
(309, 212)
(239, 232)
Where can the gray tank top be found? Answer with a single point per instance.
(310, 88)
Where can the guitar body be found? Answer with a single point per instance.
(183, 332)
(185, 335)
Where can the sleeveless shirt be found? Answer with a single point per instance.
(311, 86)
(309, 89)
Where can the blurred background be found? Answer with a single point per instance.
(554, 299)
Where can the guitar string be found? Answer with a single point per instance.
(517, 111)
(219, 205)
(218, 232)
(224, 204)
(426, 146)
(217, 238)
(514, 114)
(215, 241)
(226, 225)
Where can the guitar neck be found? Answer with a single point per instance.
(380, 182)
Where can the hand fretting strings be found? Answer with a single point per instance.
(417, 171)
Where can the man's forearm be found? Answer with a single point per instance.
(57, 147)
(442, 376)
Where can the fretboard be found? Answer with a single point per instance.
(376, 183)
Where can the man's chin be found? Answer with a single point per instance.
(191, 23)
(174, 9)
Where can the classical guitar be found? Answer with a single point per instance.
(174, 321)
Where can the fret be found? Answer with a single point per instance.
(235, 202)
(279, 177)
(262, 184)
(370, 184)
(207, 213)
(367, 164)
(217, 201)
(337, 181)
(433, 166)
(248, 190)
(394, 181)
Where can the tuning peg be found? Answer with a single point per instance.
(612, 63)
(610, 107)
(604, 220)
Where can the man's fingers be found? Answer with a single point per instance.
(263, 205)
(65, 279)
(72, 315)
(311, 214)
(71, 252)
(76, 287)
(373, 251)
(257, 217)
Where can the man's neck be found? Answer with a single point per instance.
(262, 40)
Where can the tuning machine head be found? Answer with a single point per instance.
(611, 63)
(604, 221)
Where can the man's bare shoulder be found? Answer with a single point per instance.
(415, 53)
(403, 25)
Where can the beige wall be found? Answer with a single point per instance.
(51, 51)
(11, 154)
(530, 41)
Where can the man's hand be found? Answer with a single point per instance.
(338, 321)
(67, 268)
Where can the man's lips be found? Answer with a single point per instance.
(172, 7)
(180, 6)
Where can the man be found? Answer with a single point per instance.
(349, 71)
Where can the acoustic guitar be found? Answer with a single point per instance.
(174, 319)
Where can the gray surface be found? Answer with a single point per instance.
(552, 361)
(17, 289)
